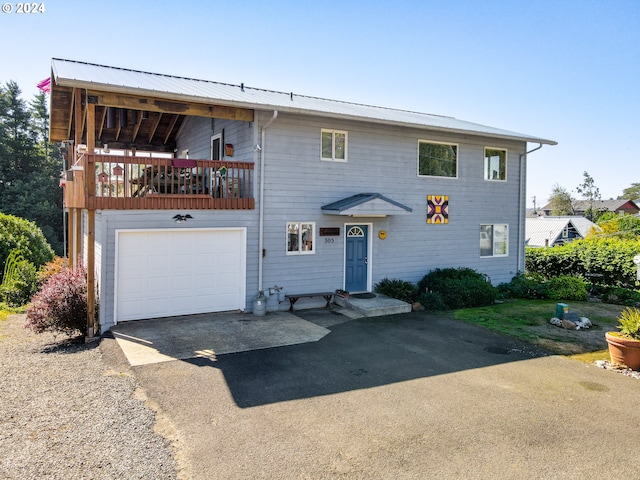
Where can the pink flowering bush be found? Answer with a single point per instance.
(60, 306)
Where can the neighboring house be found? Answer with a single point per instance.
(618, 206)
(553, 231)
(260, 189)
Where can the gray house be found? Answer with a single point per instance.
(187, 196)
(550, 231)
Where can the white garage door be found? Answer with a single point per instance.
(162, 273)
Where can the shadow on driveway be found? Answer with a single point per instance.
(361, 354)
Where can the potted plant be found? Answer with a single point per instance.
(624, 346)
(342, 293)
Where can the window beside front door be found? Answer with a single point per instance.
(494, 240)
(300, 238)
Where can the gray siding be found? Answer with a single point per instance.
(382, 160)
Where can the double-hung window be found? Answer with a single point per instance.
(495, 164)
(334, 145)
(437, 159)
(494, 240)
(300, 238)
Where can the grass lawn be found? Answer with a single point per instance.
(529, 320)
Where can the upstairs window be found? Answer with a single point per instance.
(495, 164)
(437, 159)
(334, 146)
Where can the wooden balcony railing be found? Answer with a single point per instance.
(111, 182)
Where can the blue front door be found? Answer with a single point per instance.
(356, 260)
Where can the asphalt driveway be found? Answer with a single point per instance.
(405, 396)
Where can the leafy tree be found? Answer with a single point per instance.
(29, 165)
(632, 192)
(560, 201)
(591, 194)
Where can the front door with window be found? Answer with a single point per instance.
(356, 258)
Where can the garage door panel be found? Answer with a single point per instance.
(168, 273)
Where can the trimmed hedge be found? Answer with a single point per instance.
(610, 257)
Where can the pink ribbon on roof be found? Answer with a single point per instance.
(45, 85)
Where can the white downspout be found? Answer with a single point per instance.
(522, 208)
(263, 135)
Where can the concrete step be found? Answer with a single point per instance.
(373, 307)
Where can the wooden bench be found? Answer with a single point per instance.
(293, 298)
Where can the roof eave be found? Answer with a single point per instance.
(123, 89)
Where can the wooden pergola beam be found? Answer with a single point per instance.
(154, 127)
(149, 104)
(170, 129)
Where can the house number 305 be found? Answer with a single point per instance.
(328, 240)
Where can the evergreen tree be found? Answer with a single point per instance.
(30, 166)
(632, 192)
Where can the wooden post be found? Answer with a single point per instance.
(91, 223)
(91, 273)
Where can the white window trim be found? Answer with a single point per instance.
(333, 145)
(215, 137)
(506, 163)
(438, 143)
(493, 254)
(313, 239)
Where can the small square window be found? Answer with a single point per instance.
(495, 164)
(334, 146)
(437, 159)
(300, 238)
(494, 240)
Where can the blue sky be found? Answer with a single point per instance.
(565, 70)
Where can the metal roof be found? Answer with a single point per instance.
(366, 204)
(549, 229)
(91, 76)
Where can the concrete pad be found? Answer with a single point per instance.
(378, 306)
(179, 338)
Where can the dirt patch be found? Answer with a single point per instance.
(570, 342)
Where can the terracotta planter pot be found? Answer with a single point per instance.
(624, 350)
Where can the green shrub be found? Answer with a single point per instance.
(20, 234)
(19, 280)
(619, 295)
(431, 301)
(565, 287)
(531, 286)
(400, 289)
(459, 287)
(60, 306)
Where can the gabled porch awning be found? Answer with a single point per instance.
(366, 205)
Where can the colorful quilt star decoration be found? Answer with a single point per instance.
(438, 209)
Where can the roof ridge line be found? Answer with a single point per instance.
(245, 87)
